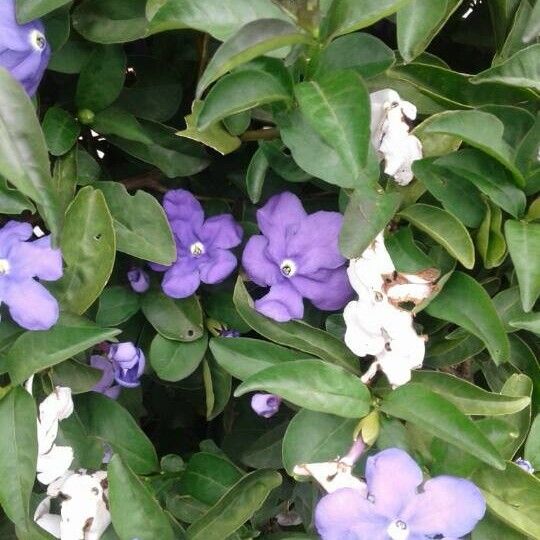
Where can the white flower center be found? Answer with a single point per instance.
(4, 267)
(398, 530)
(197, 249)
(288, 268)
(37, 40)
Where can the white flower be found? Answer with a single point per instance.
(46, 520)
(331, 475)
(390, 134)
(53, 465)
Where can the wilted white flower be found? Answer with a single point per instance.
(390, 134)
(54, 463)
(331, 475)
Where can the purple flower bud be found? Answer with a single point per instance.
(128, 364)
(106, 384)
(265, 405)
(139, 280)
(355, 451)
(24, 51)
(525, 465)
(225, 332)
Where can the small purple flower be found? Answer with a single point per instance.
(396, 509)
(139, 280)
(297, 256)
(24, 51)
(106, 384)
(226, 332)
(525, 465)
(265, 405)
(128, 364)
(202, 245)
(30, 304)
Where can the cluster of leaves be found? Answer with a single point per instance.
(275, 97)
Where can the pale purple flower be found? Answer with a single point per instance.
(399, 505)
(202, 245)
(229, 332)
(128, 363)
(106, 384)
(30, 304)
(138, 279)
(297, 256)
(525, 465)
(24, 51)
(265, 405)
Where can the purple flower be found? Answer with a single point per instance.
(30, 304)
(202, 245)
(106, 384)
(226, 332)
(24, 51)
(297, 256)
(396, 509)
(128, 363)
(525, 465)
(139, 280)
(265, 405)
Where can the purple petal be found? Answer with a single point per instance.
(327, 289)
(107, 377)
(125, 354)
(31, 305)
(392, 478)
(36, 259)
(13, 233)
(346, 514)
(258, 266)
(180, 204)
(221, 231)
(315, 244)
(182, 279)
(218, 266)
(113, 392)
(139, 280)
(447, 505)
(265, 405)
(282, 303)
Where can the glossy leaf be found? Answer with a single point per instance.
(449, 352)
(79, 377)
(217, 387)
(116, 305)
(29, 10)
(256, 175)
(61, 130)
(490, 241)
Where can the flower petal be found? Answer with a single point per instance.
(218, 266)
(282, 303)
(31, 305)
(12, 233)
(106, 367)
(363, 334)
(282, 213)
(185, 215)
(447, 505)
(258, 266)
(182, 279)
(221, 231)
(36, 259)
(54, 464)
(346, 514)
(392, 477)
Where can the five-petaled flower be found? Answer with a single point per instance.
(30, 304)
(24, 51)
(203, 246)
(399, 505)
(297, 256)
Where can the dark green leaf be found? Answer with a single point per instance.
(449, 352)
(217, 387)
(115, 121)
(256, 174)
(61, 130)
(79, 377)
(29, 10)
(116, 305)
(489, 239)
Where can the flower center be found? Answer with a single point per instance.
(197, 249)
(288, 268)
(37, 40)
(4, 267)
(397, 530)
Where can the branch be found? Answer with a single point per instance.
(149, 180)
(264, 134)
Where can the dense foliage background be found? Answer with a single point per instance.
(235, 101)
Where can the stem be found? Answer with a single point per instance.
(149, 180)
(265, 134)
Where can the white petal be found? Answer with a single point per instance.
(54, 464)
(378, 100)
(409, 292)
(363, 335)
(332, 475)
(54, 488)
(56, 406)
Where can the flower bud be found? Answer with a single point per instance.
(265, 405)
(139, 280)
(128, 363)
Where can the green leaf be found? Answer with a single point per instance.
(468, 398)
(282, 163)
(243, 357)
(444, 228)
(107, 420)
(449, 352)
(463, 301)
(19, 449)
(520, 70)
(527, 321)
(337, 106)
(314, 437)
(13, 201)
(220, 18)
(65, 173)
(429, 411)
(141, 227)
(513, 496)
(115, 121)
(523, 241)
(314, 385)
(88, 246)
(252, 40)
(24, 160)
(532, 446)
(101, 79)
(361, 52)
(419, 21)
(135, 512)
(345, 16)
(258, 83)
(176, 360)
(256, 175)
(368, 212)
(217, 387)
(180, 319)
(235, 507)
(295, 334)
(79, 377)
(29, 10)
(103, 21)
(116, 305)
(34, 351)
(61, 130)
(533, 27)
(490, 239)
